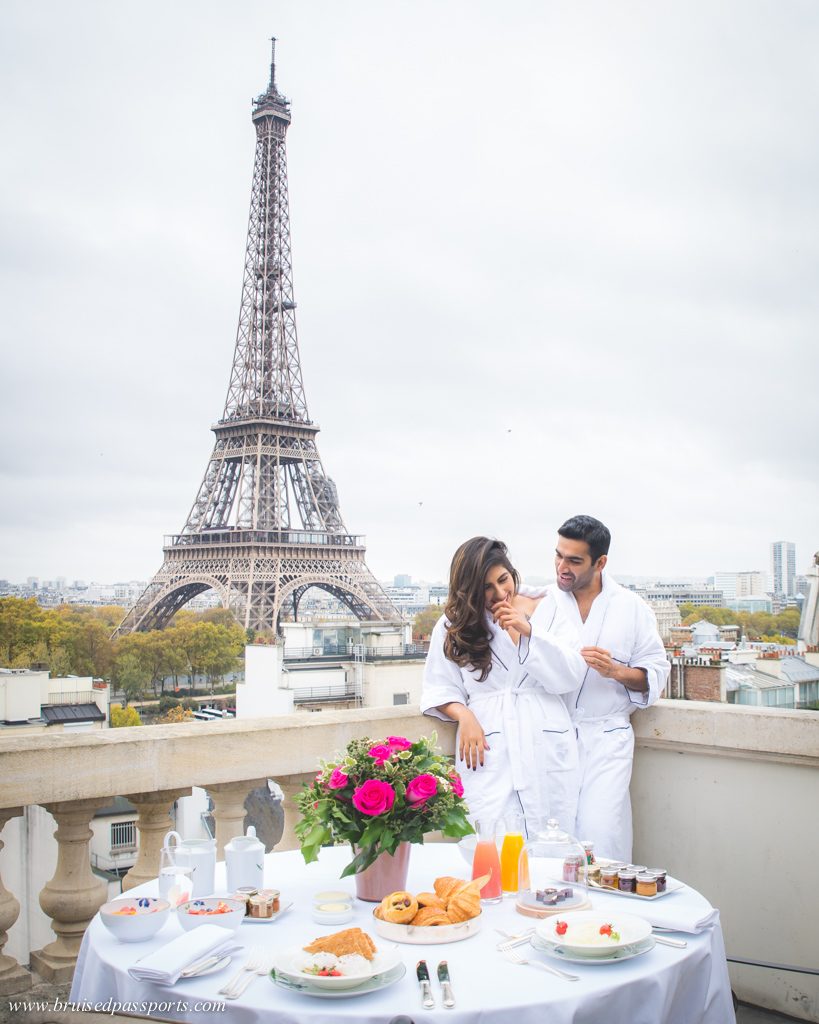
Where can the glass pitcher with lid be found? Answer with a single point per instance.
(553, 873)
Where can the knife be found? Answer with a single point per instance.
(422, 973)
(446, 987)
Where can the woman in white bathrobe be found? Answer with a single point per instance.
(497, 663)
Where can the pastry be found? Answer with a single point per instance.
(430, 899)
(447, 886)
(351, 940)
(430, 916)
(399, 907)
(463, 906)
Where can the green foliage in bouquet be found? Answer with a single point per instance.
(377, 795)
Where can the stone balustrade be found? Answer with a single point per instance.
(723, 796)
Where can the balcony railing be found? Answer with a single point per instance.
(724, 798)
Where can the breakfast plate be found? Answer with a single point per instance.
(373, 984)
(289, 964)
(572, 957)
(592, 933)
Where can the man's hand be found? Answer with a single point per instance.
(601, 661)
(509, 617)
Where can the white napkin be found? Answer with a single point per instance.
(165, 964)
(681, 917)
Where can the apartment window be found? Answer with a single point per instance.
(400, 698)
(123, 836)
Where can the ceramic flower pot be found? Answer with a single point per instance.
(386, 874)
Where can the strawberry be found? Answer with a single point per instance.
(561, 927)
(605, 929)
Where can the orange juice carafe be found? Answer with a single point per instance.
(510, 854)
(487, 862)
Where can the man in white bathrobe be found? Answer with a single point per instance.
(627, 669)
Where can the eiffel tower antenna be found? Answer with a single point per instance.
(265, 525)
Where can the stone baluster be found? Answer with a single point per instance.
(73, 895)
(291, 786)
(229, 810)
(153, 822)
(13, 977)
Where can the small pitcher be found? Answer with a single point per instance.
(200, 856)
(244, 861)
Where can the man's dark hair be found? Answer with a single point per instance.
(591, 530)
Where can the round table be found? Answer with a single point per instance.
(663, 986)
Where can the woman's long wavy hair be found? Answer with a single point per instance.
(467, 638)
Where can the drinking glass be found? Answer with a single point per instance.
(510, 853)
(487, 862)
(175, 880)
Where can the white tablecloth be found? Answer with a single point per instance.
(663, 986)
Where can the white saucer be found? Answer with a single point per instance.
(378, 981)
(625, 953)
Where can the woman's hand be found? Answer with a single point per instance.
(472, 741)
(510, 617)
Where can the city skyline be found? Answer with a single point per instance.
(499, 329)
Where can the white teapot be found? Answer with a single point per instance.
(244, 861)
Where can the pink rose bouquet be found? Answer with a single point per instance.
(378, 794)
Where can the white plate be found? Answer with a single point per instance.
(426, 935)
(671, 885)
(583, 935)
(267, 920)
(624, 953)
(287, 965)
(372, 985)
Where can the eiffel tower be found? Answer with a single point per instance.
(265, 525)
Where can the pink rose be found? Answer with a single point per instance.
(421, 788)
(374, 797)
(398, 743)
(338, 780)
(457, 785)
(380, 753)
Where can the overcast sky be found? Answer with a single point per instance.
(549, 258)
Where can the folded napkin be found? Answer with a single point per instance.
(682, 917)
(165, 964)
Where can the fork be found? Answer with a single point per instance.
(263, 966)
(248, 969)
(513, 940)
(514, 957)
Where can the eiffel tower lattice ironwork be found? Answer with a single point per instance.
(241, 537)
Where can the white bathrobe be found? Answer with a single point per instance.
(624, 625)
(531, 766)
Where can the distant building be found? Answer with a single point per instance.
(31, 702)
(783, 567)
(682, 593)
(667, 614)
(761, 603)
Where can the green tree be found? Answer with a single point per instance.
(425, 620)
(130, 676)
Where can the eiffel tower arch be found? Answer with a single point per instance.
(265, 525)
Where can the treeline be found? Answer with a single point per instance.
(76, 640)
(761, 626)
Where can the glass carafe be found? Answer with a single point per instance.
(487, 862)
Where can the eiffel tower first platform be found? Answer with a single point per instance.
(265, 525)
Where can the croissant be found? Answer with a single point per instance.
(399, 907)
(447, 885)
(430, 899)
(430, 916)
(463, 906)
